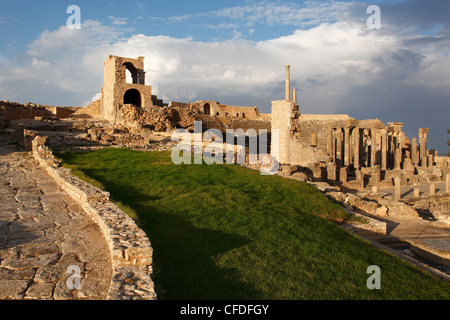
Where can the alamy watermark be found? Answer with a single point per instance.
(374, 281)
(74, 20)
(74, 280)
(232, 150)
(374, 21)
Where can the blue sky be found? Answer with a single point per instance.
(234, 52)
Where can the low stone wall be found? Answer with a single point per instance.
(131, 251)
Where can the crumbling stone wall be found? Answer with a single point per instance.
(130, 249)
(115, 86)
(92, 111)
(353, 153)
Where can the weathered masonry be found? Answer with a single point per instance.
(121, 101)
(116, 92)
(357, 153)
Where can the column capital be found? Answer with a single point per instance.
(423, 132)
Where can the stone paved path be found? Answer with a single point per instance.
(46, 239)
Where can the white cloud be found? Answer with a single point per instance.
(271, 13)
(332, 55)
(330, 64)
(118, 21)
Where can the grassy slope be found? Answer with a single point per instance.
(225, 232)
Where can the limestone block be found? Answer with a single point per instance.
(368, 206)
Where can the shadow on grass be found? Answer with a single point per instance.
(184, 255)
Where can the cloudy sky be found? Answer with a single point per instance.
(235, 51)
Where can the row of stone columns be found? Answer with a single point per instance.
(416, 192)
(383, 147)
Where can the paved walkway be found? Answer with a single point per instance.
(49, 248)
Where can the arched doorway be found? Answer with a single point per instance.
(207, 109)
(133, 97)
(131, 73)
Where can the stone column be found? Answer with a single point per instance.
(423, 132)
(314, 139)
(331, 171)
(383, 150)
(447, 183)
(330, 144)
(356, 142)
(432, 189)
(338, 145)
(398, 190)
(347, 146)
(389, 146)
(397, 158)
(288, 83)
(343, 175)
(376, 175)
(294, 96)
(373, 148)
(414, 152)
(430, 159)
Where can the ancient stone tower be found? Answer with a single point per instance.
(116, 92)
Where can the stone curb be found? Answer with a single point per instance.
(130, 248)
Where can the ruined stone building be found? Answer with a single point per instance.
(334, 147)
(133, 104)
(340, 148)
(116, 92)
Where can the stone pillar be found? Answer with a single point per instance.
(347, 146)
(423, 132)
(330, 144)
(314, 139)
(376, 175)
(331, 171)
(373, 148)
(447, 183)
(430, 160)
(288, 83)
(338, 136)
(416, 192)
(432, 189)
(343, 175)
(400, 140)
(389, 146)
(356, 143)
(397, 158)
(414, 152)
(280, 126)
(424, 162)
(294, 96)
(383, 150)
(398, 189)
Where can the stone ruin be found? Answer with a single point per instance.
(360, 155)
(333, 148)
(350, 160)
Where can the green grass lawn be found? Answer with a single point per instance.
(226, 232)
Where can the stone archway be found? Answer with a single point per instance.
(207, 109)
(132, 96)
